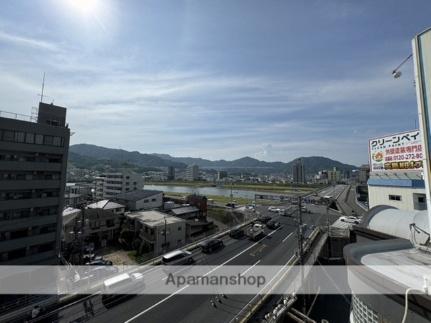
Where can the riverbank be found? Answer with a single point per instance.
(216, 198)
(275, 188)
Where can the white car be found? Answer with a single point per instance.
(350, 219)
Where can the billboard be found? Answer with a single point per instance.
(398, 152)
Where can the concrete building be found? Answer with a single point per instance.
(192, 173)
(298, 171)
(405, 191)
(71, 216)
(364, 174)
(159, 232)
(102, 222)
(77, 194)
(141, 199)
(108, 185)
(221, 175)
(334, 176)
(171, 173)
(33, 161)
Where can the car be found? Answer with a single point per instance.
(273, 209)
(177, 258)
(273, 224)
(264, 218)
(120, 288)
(211, 245)
(231, 205)
(350, 219)
(236, 233)
(99, 262)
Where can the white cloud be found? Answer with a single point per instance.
(27, 42)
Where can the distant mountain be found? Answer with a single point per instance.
(312, 164)
(109, 155)
(84, 154)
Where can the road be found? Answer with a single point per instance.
(274, 249)
(346, 199)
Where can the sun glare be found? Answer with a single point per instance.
(84, 7)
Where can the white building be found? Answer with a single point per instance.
(158, 231)
(192, 173)
(109, 185)
(141, 199)
(405, 191)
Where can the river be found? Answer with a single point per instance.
(207, 191)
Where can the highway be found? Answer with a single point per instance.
(275, 249)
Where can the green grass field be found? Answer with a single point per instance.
(276, 188)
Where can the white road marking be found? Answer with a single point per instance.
(180, 290)
(234, 319)
(288, 236)
(248, 269)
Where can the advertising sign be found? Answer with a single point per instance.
(399, 152)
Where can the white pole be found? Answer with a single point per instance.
(423, 116)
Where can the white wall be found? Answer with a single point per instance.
(379, 195)
(175, 231)
(150, 204)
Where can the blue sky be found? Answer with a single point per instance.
(273, 80)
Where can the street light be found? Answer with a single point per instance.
(396, 73)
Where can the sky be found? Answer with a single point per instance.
(273, 80)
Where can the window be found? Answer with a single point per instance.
(29, 138)
(153, 200)
(179, 228)
(395, 197)
(421, 199)
(8, 135)
(39, 139)
(48, 140)
(19, 136)
(57, 141)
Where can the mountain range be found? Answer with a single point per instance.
(91, 156)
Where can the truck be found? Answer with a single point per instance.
(256, 231)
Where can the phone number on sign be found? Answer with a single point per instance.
(417, 156)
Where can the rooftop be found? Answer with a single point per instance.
(184, 210)
(105, 204)
(70, 214)
(396, 223)
(153, 218)
(137, 195)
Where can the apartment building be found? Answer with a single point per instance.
(159, 232)
(192, 172)
(33, 161)
(298, 172)
(111, 184)
(102, 222)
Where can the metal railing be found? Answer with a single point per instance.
(17, 116)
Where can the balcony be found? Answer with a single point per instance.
(8, 245)
(28, 203)
(28, 184)
(30, 166)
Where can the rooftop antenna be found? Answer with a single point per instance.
(43, 87)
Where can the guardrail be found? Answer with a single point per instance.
(257, 301)
(157, 260)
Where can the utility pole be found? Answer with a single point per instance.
(164, 233)
(301, 250)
